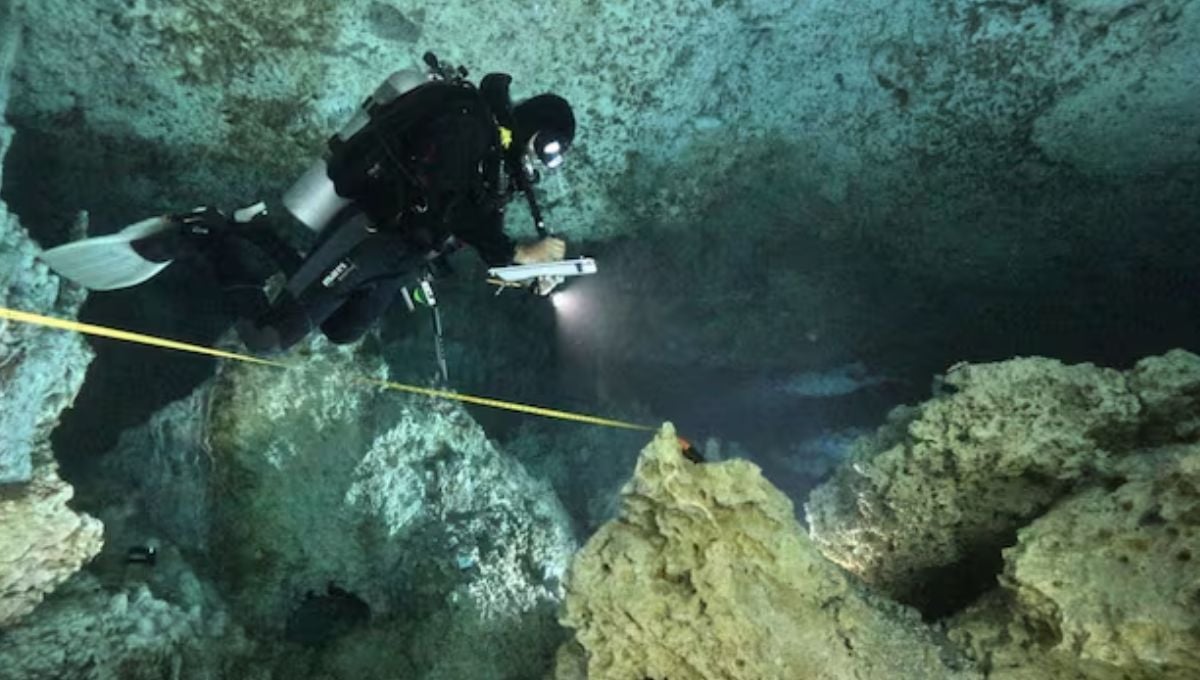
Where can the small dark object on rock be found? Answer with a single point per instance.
(142, 554)
(689, 452)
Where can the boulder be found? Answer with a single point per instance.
(1111, 573)
(42, 541)
(706, 574)
(378, 533)
(936, 494)
(88, 631)
(1101, 587)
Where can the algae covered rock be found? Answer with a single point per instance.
(948, 483)
(1113, 574)
(89, 632)
(42, 540)
(706, 574)
(1169, 389)
(321, 482)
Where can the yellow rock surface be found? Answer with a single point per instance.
(42, 541)
(707, 574)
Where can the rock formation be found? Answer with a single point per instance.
(1107, 578)
(294, 484)
(1075, 485)
(42, 540)
(92, 631)
(954, 478)
(321, 478)
(842, 180)
(1084, 483)
(706, 574)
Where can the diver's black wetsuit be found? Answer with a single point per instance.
(452, 184)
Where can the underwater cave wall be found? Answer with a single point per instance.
(939, 129)
(43, 541)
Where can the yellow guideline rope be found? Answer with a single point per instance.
(152, 341)
(113, 333)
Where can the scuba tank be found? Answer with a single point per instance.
(313, 199)
(364, 171)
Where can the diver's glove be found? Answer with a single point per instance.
(549, 249)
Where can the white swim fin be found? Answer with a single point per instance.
(109, 262)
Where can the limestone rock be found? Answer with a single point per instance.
(166, 467)
(1008, 644)
(1126, 97)
(287, 481)
(954, 478)
(42, 541)
(1112, 573)
(570, 663)
(1092, 474)
(1169, 388)
(88, 632)
(40, 371)
(11, 22)
(283, 482)
(706, 574)
(122, 620)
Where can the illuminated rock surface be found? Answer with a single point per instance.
(706, 574)
(954, 477)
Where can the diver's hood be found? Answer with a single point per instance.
(548, 117)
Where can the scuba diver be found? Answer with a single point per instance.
(426, 166)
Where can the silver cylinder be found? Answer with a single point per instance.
(313, 199)
(397, 84)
